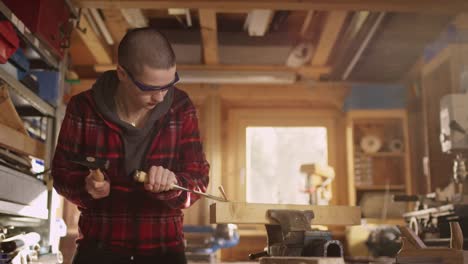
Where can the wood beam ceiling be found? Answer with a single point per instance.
(333, 24)
(116, 23)
(209, 32)
(307, 71)
(94, 44)
(425, 6)
(355, 32)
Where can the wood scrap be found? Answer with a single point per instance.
(23, 144)
(251, 213)
(8, 115)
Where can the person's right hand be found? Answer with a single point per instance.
(97, 189)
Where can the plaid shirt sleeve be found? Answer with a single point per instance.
(69, 179)
(194, 168)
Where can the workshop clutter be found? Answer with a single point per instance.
(9, 41)
(47, 19)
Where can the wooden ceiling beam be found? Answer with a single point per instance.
(424, 6)
(334, 23)
(94, 44)
(319, 94)
(116, 23)
(306, 71)
(209, 32)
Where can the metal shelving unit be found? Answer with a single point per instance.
(13, 205)
(22, 210)
(26, 34)
(22, 195)
(32, 99)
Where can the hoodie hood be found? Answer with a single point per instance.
(104, 90)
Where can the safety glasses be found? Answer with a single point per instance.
(151, 88)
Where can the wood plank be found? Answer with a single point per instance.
(306, 71)
(98, 50)
(116, 23)
(250, 213)
(425, 6)
(8, 115)
(331, 30)
(445, 255)
(23, 144)
(209, 32)
(320, 94)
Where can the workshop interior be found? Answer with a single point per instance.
(336, 131)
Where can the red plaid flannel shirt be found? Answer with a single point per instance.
(130, 219)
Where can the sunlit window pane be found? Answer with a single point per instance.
(274, 158)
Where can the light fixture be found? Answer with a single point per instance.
(258, 21)
(134, 17)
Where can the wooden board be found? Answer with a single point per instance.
(425, 6)
(301, 260)
(250, 213)
(8, 115)
(98, 49)
(209, 32)
(447, 255)
(329, 36)
(18, 142)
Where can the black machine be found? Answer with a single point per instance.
(293, 237)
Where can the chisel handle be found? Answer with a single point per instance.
(97, 175)
(141, 176)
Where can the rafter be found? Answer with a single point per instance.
(209, 32)
(307, 71)
(98, 50)
(116, 23)
(426, 6)
(334, 23)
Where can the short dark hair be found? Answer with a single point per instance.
(145, 46)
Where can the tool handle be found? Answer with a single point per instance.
(141, 176)
(97, 175)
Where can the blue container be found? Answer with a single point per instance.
(21, 63)
(48, 85)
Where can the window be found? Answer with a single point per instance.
(274, 155)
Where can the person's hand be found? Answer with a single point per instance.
(160, 179)
(97, 189)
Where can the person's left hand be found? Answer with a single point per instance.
(160, 179)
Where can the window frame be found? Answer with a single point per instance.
(235, 158)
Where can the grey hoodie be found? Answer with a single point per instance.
(135, 140)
